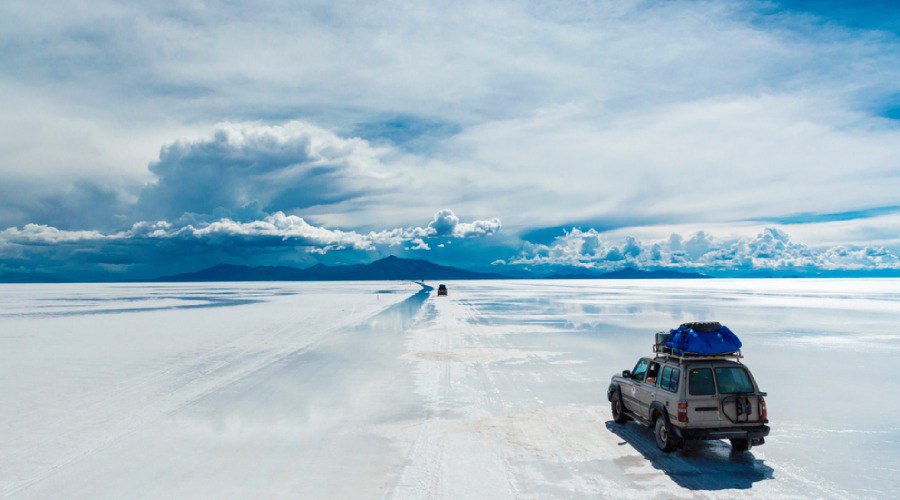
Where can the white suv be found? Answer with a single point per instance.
(692, 398)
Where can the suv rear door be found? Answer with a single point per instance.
(701, 397)
(738, 396)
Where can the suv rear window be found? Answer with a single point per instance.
(733, 380)
(700, 382)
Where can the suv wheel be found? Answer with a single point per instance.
(664, 439)
(618, 411)
(740, 444)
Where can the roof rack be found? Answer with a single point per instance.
(662, 350)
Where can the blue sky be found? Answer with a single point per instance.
(726, 137)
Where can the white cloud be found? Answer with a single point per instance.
(274, 230)
(446, 223)
(419, 244)
(38, 234)
(772, 249)
(477, 228)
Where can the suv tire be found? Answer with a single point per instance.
(740, 444)
(665, 440)
(618, 410)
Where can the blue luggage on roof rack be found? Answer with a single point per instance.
(703, 339)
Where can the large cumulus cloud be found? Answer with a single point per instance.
(274, 167)
(446, 223)
(771, 249)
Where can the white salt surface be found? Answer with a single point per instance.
(323, 390)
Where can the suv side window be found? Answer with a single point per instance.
(669, 379)
(652, 373)
(673, 384)
(640, 369)
(700, 382)
(665, 377)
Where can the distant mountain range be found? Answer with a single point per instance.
(391, 268)
(395, 268)
(388, 268)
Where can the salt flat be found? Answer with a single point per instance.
(380, 390)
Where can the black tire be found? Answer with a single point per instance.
(740, 444)
(618, 410)
(704, 326)
(665, 440)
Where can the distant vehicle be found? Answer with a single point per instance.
(685, 394)
(442, 290)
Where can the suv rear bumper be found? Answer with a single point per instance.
(724, 433)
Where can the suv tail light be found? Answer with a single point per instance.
(762, 409)
(682, 412)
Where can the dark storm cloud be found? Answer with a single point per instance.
(78, 205)
(287, 167)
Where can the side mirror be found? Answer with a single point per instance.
(626, 373)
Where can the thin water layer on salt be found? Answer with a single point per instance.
(377, 389)
(823, 349)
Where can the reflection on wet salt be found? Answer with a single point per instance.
(118, 300)
(811, 345)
